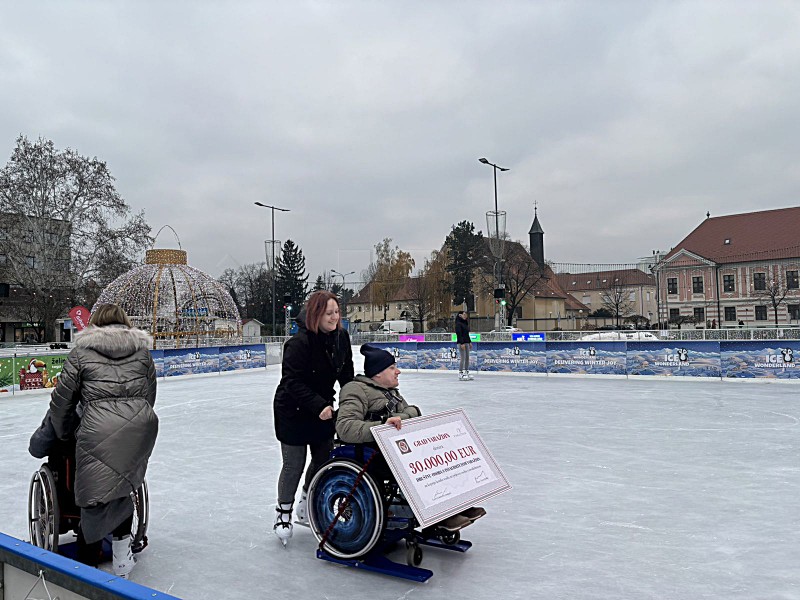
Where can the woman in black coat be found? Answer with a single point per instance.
(464, 344)
(314, 359)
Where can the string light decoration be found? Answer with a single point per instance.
(180, 306)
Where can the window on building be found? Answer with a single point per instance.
(759, 281)
(672, 285)
(648, 296)
(518, 312)
(674, 314)
(632, 296)
(587, 300)
(699, 315)
(728, 284)
(697, 284)
(30, 261)
(794, 312)
(792, 281)
(761, 313)
(730, 313)
(5, 290)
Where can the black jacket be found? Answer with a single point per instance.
(462, 330)
(312, 363)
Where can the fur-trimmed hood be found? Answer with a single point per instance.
(114, 341)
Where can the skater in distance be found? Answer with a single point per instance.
(464, 345)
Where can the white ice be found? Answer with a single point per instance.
(622, 489)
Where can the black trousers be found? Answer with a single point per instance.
(92, 554)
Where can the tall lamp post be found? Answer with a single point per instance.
(272, 243)
(343, 275)
(497, 250)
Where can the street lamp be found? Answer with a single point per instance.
(272, 242)
(343, 275)
(497, 250)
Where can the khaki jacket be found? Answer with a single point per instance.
(364, 404)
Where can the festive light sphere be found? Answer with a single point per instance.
(178, 305)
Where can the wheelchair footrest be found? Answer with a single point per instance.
(378, 563)
(435, 542)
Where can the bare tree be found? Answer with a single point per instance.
(617, 298)
(774, 294)
(388, 273)
(67, 232)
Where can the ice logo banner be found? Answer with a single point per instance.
(771, 359)
(690, 359)
(191, 361)
(234, 358)
(595, 358)
(510, 357)
(437, 355)
(405, 354)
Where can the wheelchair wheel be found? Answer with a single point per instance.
(43, 511)
(360, 526)
(141, 517)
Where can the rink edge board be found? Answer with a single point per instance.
(763, 360)
(22, 564)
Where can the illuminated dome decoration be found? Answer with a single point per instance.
(178, 305)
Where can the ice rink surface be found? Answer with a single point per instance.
(622, 489)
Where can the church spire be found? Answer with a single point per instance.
(536, 236)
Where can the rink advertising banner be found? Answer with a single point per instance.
(38, 372)
(674, 358)
(158, 359)
(405, 353)
(510, 357)
(441, 464)
(191, 361)
(437, 355)
(588, 358)
(235, 358)
(6, 375)
(770, 359)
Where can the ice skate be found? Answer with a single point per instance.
(301, 516)
(122, 556)
(283, 522)
(467, 376)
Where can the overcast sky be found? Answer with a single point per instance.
(625, 121)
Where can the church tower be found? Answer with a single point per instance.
(536, 236)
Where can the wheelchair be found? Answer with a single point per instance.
(357, 513)
(52, 511)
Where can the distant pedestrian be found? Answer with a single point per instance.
(464, 344)
(741, 323)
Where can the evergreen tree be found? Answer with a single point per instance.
(291, 279)
(319, 284)
(464, 248)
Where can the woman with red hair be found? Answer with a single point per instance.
(314, 359)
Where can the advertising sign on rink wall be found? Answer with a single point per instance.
(191, 361)
(510, 357)
(236, 358)
(6, 375)
(437, 355)
(590, 358)
(773, 359)
(674, 358)
(405, 354)
(158, 359)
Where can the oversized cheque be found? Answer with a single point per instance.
(441, 464)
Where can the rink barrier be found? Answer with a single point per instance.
(762, 359)
(30, 572)
(23, 372)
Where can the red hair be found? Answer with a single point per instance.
(316, 305)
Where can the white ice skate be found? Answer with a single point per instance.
(301, 516)
(283, 522)
(122, 556)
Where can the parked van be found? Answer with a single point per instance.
(397, 327)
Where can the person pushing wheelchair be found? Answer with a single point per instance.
(373, 399)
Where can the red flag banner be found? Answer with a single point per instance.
(80, 317)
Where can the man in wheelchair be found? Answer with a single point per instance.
(373, 399)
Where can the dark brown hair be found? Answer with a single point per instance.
(316, 305)
(109, 314)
